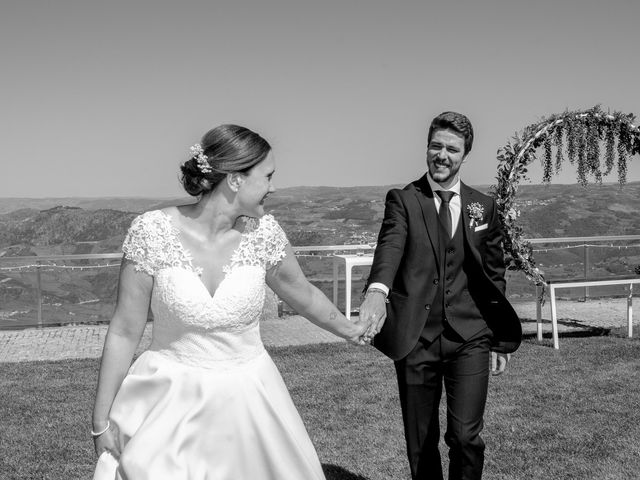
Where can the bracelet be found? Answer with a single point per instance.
(97, 434)
(374, 289)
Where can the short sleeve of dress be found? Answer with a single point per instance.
(275, 240)
(141, 244)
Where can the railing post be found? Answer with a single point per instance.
(630, 311)
(586, 269)
(538, 313)
(39, 293)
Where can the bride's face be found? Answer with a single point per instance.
(256, 187)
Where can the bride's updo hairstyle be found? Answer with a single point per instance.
(223, 150)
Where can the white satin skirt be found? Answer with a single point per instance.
(179, 422)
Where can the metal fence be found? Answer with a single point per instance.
(593, 251)
(64, 289)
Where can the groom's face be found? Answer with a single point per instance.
(445, 154)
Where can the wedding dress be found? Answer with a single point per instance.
(205, 401)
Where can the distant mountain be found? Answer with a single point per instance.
(61, 226)
(575, 211)
(311, 216)
(126, 204)
(338, 215)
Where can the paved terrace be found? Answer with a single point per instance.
(85, 341)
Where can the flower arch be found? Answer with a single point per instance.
(579, 134)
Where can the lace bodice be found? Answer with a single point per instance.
(189, 323)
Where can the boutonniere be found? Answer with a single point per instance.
(476, 212)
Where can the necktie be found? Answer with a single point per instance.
(445, 214)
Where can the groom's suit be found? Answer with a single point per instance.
(446, 309)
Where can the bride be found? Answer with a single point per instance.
(206, 401)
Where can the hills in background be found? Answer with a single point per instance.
(309, 215)
(125, 204)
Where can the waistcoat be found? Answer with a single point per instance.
(453, 303)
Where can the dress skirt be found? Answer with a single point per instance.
(184, 422)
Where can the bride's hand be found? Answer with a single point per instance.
(359, 337)
(107, 442)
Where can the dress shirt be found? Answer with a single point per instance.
(455, 206)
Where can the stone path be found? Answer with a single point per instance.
(85, 341)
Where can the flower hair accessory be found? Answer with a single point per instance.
(203, 161)
(476, 212)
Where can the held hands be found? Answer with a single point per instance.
(358, 337)
(373, 312)
(499, 362)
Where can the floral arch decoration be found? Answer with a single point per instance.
(579, 134)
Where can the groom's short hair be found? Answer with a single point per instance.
(453, 121)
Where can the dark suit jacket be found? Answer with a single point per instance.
(407, 261)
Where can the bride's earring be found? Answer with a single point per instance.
(234, 181)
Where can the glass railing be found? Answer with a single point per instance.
(81, 289)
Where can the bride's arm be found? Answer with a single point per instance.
(124, 334)
(289, 283)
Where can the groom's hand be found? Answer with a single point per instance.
(373, 311)
(499, 362)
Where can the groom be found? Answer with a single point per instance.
(436, 295)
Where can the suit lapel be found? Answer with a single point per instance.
(424, 194)
(467, 197)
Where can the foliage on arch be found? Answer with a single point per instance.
(579, 135)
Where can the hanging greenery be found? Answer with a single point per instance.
(581, 132)
(610, 155)
(559, 146)
(548, 162)
(581, 129)
(571, 142)
(592, 147)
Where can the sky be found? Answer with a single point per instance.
(105, 98)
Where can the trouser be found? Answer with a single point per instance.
(463, 367)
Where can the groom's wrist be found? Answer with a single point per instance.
(378, 286)
(375, 290)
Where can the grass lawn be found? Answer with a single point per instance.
(567, 414)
